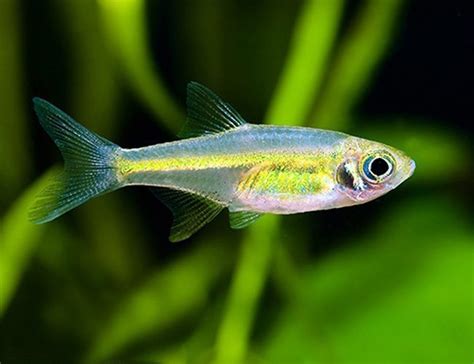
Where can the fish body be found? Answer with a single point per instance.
(224, 163)
(254, 167)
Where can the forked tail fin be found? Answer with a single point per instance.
(89, 165)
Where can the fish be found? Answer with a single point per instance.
(221, 162)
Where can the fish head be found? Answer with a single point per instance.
(370, 169)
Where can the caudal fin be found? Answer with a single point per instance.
(89, 164)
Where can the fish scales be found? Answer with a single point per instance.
(263, 160)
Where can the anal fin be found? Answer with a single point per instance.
(190, 211)
(242, 219)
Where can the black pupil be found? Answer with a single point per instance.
(379, 167)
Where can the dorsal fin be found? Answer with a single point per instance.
(207, 113)
(190, 211)
(242, 219)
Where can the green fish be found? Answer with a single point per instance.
(223, 162)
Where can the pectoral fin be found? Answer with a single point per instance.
(190, 211)
(242, 219)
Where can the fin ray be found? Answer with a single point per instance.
(207, 113)
(190, 211)
(242, 219)
(88, 162)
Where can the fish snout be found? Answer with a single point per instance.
(412, 168)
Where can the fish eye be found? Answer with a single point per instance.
(377, 168)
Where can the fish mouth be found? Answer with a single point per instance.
(412, 168)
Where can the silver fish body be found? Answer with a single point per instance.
(224, 163)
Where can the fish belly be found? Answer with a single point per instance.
(284, 190)
(283, 204)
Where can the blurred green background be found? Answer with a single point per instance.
(386, 282)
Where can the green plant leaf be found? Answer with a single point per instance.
(14, 143)
(302, 76)
(125, 23)
(299, 82)
(179, 290)
(360, 52)
(401, 293)
(18, 240)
